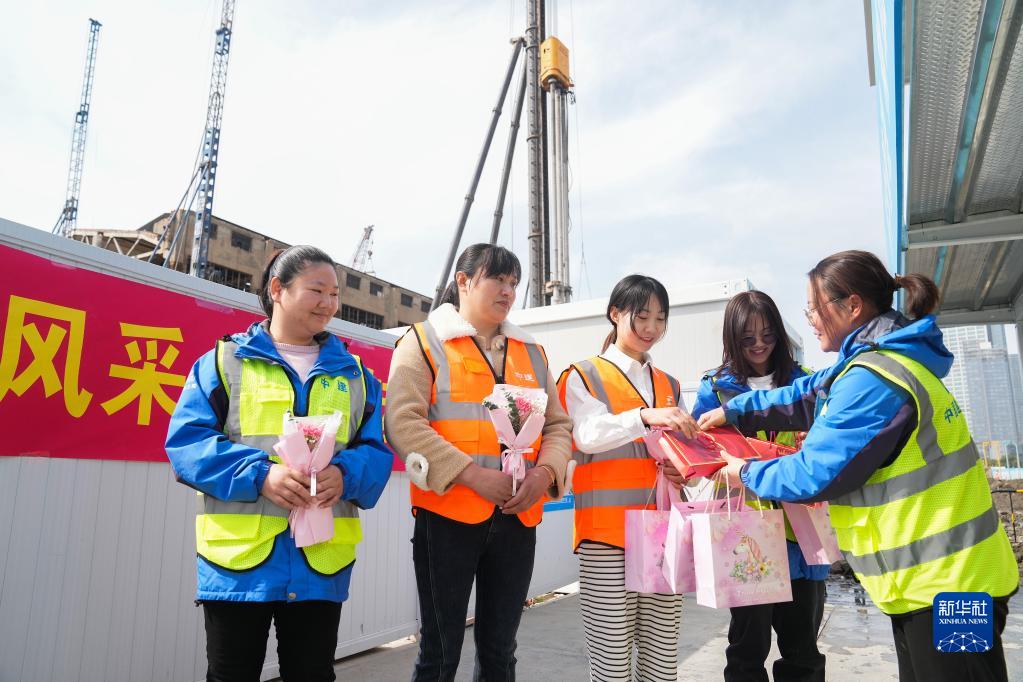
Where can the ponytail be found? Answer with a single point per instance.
(611, 338)
(450, 295)
(862, 273)
(922, 294)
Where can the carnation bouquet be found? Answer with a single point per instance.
(518, 417)
(306, 445)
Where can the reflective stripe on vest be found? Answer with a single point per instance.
(241, 535)
(925, 523)
(605, 484)
(463, 377)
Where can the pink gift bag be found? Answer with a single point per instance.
(740, 558)
(678, 567)
(645, 533)
(816, 537)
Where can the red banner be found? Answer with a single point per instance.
(92, 364)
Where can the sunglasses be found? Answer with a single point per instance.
(750, 341)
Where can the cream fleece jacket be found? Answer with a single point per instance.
(408, 400)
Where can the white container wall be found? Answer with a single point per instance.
(97, 558)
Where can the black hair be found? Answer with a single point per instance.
(286, 265)
(631, 295)
(483, 260)
(741, 310)
(843, 274)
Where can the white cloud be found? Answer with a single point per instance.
(708, 138)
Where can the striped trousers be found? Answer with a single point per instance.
(618, 622)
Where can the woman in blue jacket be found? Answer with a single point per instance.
(890, 449)
(757, 356)
(220, 442)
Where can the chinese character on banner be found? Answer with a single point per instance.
(147, 382)
(945, 608)
(44, 347)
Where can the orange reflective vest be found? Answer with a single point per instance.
(462, 378)
(607, 483)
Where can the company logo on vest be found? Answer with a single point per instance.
(963, 622)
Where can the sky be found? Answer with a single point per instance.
(708, 141)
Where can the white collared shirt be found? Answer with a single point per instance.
(594, 428)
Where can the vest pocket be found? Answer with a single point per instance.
(261, 412)
(237, 542)
(464, 435)
(214, 527)
(347, 531)
(606, 518)
(852, 528)
(332, 556)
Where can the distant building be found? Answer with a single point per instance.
(1016, 382)
(981, 381)
(237, 256)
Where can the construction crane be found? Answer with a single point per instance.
(68, 220)
(196, 206)
(363, 258)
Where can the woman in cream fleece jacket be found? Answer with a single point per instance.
(469, 525)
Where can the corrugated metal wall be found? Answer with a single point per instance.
(97, 578)
(97, 575)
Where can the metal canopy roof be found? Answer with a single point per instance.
(952, 148)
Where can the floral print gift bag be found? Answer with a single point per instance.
(740, 558)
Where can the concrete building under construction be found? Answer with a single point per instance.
(237, 256)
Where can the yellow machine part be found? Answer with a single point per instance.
(554, 63)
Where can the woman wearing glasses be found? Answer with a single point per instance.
(757, 356)
(890, 448)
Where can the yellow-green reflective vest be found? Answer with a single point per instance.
(241, 535)
(925, 523)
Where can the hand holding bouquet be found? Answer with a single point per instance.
(307, 445)
(518, 417)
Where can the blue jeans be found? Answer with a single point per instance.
(448, 556)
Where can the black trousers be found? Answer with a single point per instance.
(448, 556)
(236, 634)
(920, 661)
(797, 623)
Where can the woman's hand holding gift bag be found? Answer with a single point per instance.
(740, 558)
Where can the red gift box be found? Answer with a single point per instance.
(768, 450)
(700, 456)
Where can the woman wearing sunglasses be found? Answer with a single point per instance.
(757, 356)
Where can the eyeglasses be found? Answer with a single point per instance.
(812, 312)
(767, 339)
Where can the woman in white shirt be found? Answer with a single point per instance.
(612, 399)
